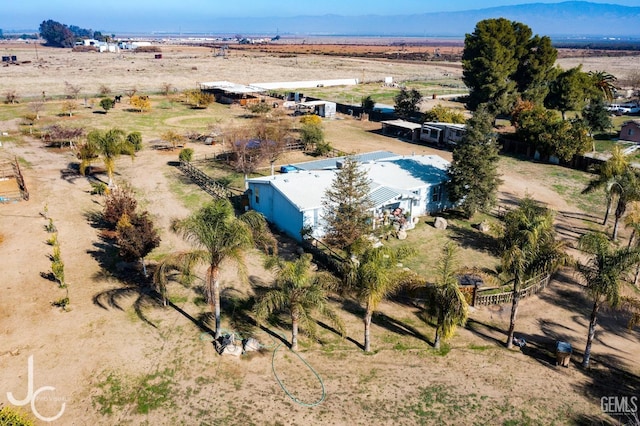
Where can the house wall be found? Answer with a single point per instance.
(630, 132)
(276, 208)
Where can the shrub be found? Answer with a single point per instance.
(13, 417)
(323, 148)
(186, 154)
(63, 302)
(52, 241)
(99, 188)
(119, 202)
(106, 104)
(135, 139)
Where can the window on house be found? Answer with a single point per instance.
(257, 192)
(630, 132)
(436, 193)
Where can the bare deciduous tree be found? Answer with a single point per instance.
(72, 90)
(36, 107)
(11, 97)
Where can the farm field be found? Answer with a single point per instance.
(117, 357)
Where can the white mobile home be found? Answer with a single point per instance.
(412, 185)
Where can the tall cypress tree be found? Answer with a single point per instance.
(346, 207)
(473, 174)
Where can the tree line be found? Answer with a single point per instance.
(57, 34)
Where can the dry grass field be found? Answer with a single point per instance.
(117, 357)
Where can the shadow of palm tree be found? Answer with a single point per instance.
(334, 331)
(143, 298)
(395, 326)
(485, 331)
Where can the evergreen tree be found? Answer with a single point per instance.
(473, 174)
(346, 207)
(367, 104)
(501, 60)
(407, 102)
(570, 91)
(597, 117)
(57, 34)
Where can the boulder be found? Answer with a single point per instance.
(484, 227)
(402, 234)
(440, 223)
(250, 345)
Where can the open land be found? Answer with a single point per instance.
(118, 358)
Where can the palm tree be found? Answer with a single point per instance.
(445, 301)
(373, 277)
(604, 83)
(529, 249)
(608, 174)
(603, 276)
(218, 236)
(87, 153)
(110, 144)
(629, 185)
(300, 291)
(632, 220)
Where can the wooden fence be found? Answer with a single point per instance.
(531, 287)
(207, 183)
(8, 171)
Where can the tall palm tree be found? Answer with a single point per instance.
(629, 184)
(218, 236)
(110, 145)
(529, 249)
(608, 173)
(445, 301)
(603, 276)
(300, 291)
(632, 220)
(373, 276)
(604, 83)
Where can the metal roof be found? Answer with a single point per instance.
(382, 195)
(391, 177)
(403, 124)
(227, 86)
(330, 163)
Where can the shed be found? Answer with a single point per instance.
(630, 131)
(321, 108)
(402, 129)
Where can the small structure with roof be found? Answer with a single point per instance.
(442, 133)
(403, 186)
(226, 92)
(402, 129)
(630, 131)
(321, 108)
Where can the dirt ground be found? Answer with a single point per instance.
(103, 352)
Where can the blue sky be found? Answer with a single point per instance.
(171, 15)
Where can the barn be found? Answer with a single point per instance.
(412, 185)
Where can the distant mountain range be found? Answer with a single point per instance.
(567, 19)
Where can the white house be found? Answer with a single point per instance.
(408, 185)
